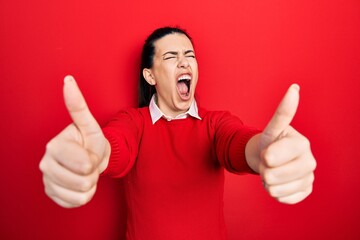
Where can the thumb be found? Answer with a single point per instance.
(79, 111)
(282, 117)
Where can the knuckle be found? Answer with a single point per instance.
(273, 176)
(296, 197)
(88, 164)
(43, 165)
(310, 164)
(82, 165)
(48, 190)
(268, 158)
(85, 168)
(268, 177)
(292, 199)
(63, 204)
(309, 190)
(83, 198)
(50, 145)
(86, 185)
(305, 142)
(311, 179)
(273, 191)
(288, 201)
(313, 164)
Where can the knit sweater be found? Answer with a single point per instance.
(174, 171)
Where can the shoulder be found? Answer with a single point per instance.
(216, 115)
(132, 113)
(131, 116)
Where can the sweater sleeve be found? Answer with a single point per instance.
(231, 137)
(123, 133)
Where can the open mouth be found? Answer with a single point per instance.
(183, 85)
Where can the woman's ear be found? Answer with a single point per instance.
(149, 77)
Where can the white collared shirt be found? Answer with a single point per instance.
(156, 113)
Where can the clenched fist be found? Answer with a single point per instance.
(282, 155)
(76, 156)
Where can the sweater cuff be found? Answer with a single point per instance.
(119, 161)
(238, 163)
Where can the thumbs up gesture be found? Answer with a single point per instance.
(283, 156)
(76, 156)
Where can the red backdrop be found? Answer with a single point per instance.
(249, 52)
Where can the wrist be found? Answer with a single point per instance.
(106, 156)
(252, 153)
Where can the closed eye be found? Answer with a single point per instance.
(166, 58)
(189, 53)
(170, 55)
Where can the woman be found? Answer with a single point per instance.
(171, 153)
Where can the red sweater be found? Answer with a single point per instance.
(173, 171)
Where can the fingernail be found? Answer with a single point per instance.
(296, 86)
(68, 78)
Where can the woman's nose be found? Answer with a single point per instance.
(183, 62)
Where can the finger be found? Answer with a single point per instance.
(73, 198)
(283, 115)
(70, 154)
(287, 189)
(61, 176)
(78, 109)
(62, 203)
(296, 197)
(288, 172)
(286, 149)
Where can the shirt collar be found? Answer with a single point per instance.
(156, 113)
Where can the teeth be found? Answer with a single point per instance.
(184, 77)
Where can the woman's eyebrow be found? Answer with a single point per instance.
(176, 53)
(171, 52)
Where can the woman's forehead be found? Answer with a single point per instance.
(173, 42)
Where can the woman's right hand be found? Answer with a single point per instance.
(74, 159)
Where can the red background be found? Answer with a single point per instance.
(249, 52)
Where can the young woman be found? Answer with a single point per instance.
(172, 153)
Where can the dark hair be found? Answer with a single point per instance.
(147, 56)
